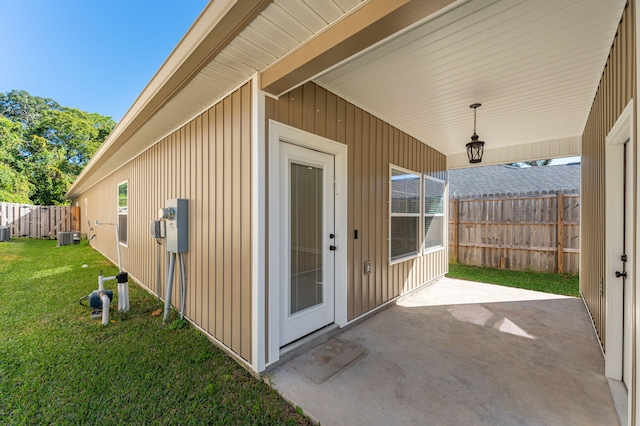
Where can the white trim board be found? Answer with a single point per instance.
(615, 141)
(280, 132)
(620, 301)
(258, 226)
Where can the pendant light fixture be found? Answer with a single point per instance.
(475, 148)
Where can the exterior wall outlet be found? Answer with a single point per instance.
(367, 267)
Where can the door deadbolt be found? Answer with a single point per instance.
(332, 248)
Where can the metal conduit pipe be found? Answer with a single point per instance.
(158, 272)
(167, 260)
(167, 300)
(183, 282)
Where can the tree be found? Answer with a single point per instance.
(534, 163)
(14, 184)
(46, 170)
(44, 147)
(20, 106)
(76, 134)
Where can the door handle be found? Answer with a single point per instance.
(621, 274)
(333, 248)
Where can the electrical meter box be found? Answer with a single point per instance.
(176, 216)
(157, 228)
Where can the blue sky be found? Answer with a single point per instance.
(93, 55)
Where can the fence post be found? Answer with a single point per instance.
(560, 232)
(75, 218)
(455, 230)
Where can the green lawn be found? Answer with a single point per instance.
(549, 283)
(58, 366)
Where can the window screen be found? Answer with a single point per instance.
(433, 213)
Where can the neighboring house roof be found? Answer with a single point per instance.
(505, 179)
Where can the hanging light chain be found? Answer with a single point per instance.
(474, 121)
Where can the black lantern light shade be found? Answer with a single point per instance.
(475, 148)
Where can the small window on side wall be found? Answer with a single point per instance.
(404, 221)
(433, 213)
(123, 212)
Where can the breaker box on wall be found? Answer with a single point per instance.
(176, 215)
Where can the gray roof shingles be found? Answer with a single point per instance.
(504, 179)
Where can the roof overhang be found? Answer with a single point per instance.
(417, 64)
(213, 30)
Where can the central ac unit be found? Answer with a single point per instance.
(5, 233)
(67, 238)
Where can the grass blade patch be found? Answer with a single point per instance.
(567, 285)
(57, 366)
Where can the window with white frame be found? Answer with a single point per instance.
(433, 213)
(123, 211)
(405, 212)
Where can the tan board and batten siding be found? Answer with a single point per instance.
(616, 88)
(208, 162)
(372, 146)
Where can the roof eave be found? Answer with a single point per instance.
(217, 25)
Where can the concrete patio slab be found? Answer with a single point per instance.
(460, 353)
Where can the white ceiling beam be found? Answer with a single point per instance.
(541, 150)
(363, 28)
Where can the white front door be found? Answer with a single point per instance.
(307, 252)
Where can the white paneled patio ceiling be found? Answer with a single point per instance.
(534, 65)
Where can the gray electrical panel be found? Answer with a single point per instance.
(177, 225)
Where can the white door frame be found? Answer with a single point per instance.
(280, 132)
(621, 133)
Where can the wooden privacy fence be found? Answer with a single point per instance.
(39, 221)
(537, 231)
